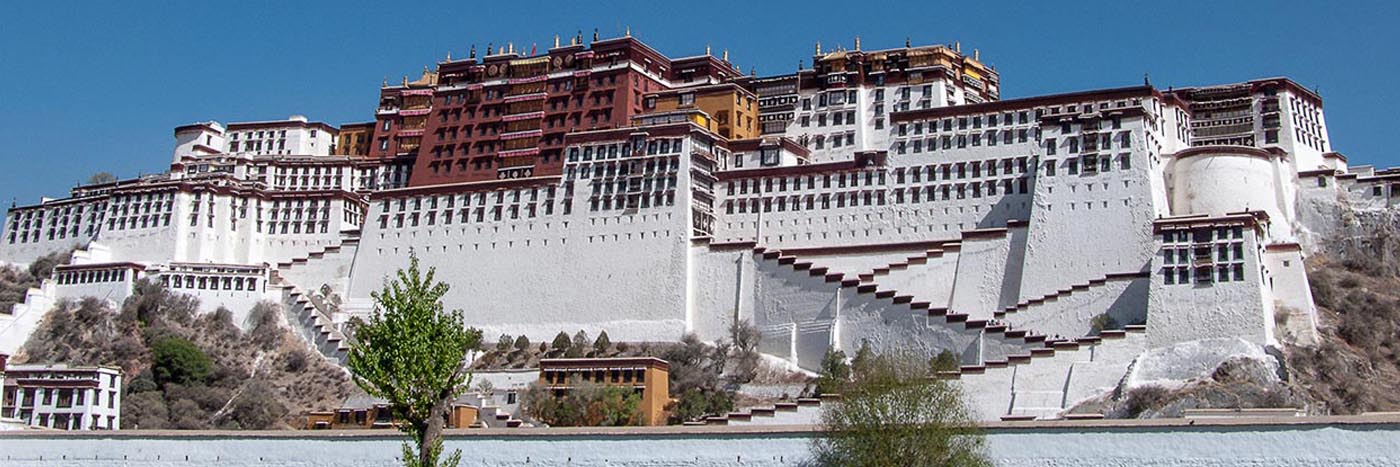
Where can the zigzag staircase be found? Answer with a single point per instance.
(312, 315)
(937, 315)
(1011, 379)
(17, 323)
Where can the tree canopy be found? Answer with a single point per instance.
(893, 412)
(413, 354)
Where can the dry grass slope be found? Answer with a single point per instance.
(264, 378)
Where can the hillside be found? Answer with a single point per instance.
(264, 378)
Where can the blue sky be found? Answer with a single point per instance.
(87, 87)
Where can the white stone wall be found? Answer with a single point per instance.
(1166, 446)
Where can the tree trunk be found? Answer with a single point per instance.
(432, 434)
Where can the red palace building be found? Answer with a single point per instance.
(504, 115)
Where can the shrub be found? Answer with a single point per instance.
(744, 356)
(697, 403)
(177, 360)
(944, 361)
(893, 414)
(1101, 323)
(1144, 398)
(255, 408)
(835, 373)
(587, 404)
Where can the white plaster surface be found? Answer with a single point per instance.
(1302, 445)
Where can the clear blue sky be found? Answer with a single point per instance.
(98, 86)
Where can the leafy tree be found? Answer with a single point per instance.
(561, 342)
(894, 414)
(177, 360)
(835, 373)
(695, 370)
(601, 344)
(522, 343)
(413, 353)
(944, 361)
(586, 404)
(579, 346)
(100, 178)
(503, 344)
(745, 357)
(865, 357)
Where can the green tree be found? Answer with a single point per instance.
(579, 346)
(413, 354)
(177, 360)
(835, 373)
(503, 344)
(601, 344)
(561, 342)
(894, 413)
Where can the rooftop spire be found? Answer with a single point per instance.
(957, 46)
(707, 50)
(489, 47)
(556, 41)
(629, 32)
(819, 48)
(595, 34)
(449, 55)
(906, 42)
(473, 52)
(857, 43)
(726, 55)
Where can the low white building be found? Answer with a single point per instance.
(63, 397)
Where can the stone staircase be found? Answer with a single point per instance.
(17, 323)
(1031, 377)
(803, 411)
(1052, 380)
(310, 318)
(1000, 341)
(1065, 312)
(916, 274)
(312, 313)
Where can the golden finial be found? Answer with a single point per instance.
(556, 41)
(512, 47)
(857, 43)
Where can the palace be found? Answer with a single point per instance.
(882, 196)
